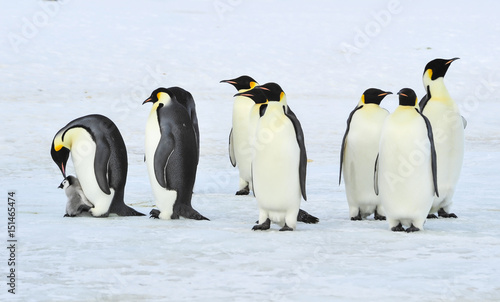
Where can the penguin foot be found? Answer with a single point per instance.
(412, 229)
(305, 217)
(398, 228)
(154, 214)
(357, 218)
(378, 217)
(286, 228)
(442, 213)
(432, 216)
(263, 226)
(67, 215)
(244, 191)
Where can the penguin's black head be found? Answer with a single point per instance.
(154, 97)
(407, 97)
(60, 157)
(243, 82)
(257, 95)
(273, 91)
(374, 95)
(438, 67)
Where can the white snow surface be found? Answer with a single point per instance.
(60, 60)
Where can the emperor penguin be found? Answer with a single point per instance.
(448, 126)
(405, 169)
(278, 166)
(100, 160)
(241, 135)
(358, 153)
(77, 201)
(274, 93)
(171, 156)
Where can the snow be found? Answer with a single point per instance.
(65, 59)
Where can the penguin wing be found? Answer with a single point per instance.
(342, 148)
(162, 155)
(433, 152)
(101, 160)
(425, 99)
(232, 158)
(375, 176)
(303, 156)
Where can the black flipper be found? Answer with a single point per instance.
(101, 161)
(232, 158)
(344, 138)
(425, 99)
(375, 176)
(163, 152)
(433, 152)
(303, 155)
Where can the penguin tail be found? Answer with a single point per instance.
(189, 212)
(305, 217)
(127, 211)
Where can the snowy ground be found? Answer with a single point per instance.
(65, 59)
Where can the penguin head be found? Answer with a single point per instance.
(407, 97)
(158, 95)
(273, 92)
(64, 184)
(243, 82)
(436, 69)
(374, 96)
(60, 155)
(257, 95)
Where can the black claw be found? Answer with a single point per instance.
(378, 217)
(412, 229)
(244, 191)
(398, 228)
(442, 213)
(263, 226)
(154, 214)
(357, 218)
(432, 216)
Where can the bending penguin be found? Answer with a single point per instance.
(100, 160)
(242, 133)
(274, 93)
(278, 166)
(171, 156)
(405, 169)
(448, 125)
(77, 201)
(358, 153)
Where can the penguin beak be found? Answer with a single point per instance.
(248, 95)
(449, 62)
(229, 82)
(385, 93)
(147, 101)
(60, 186)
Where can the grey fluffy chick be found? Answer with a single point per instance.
(77, 201)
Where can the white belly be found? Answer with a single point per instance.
(361, 149)
(83, 153)
(243, 136)
(405, 174)
(276, 171)
(448, 132)
(164, 198)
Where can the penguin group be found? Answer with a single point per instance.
(402, 167)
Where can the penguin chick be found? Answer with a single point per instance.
(77, 201)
